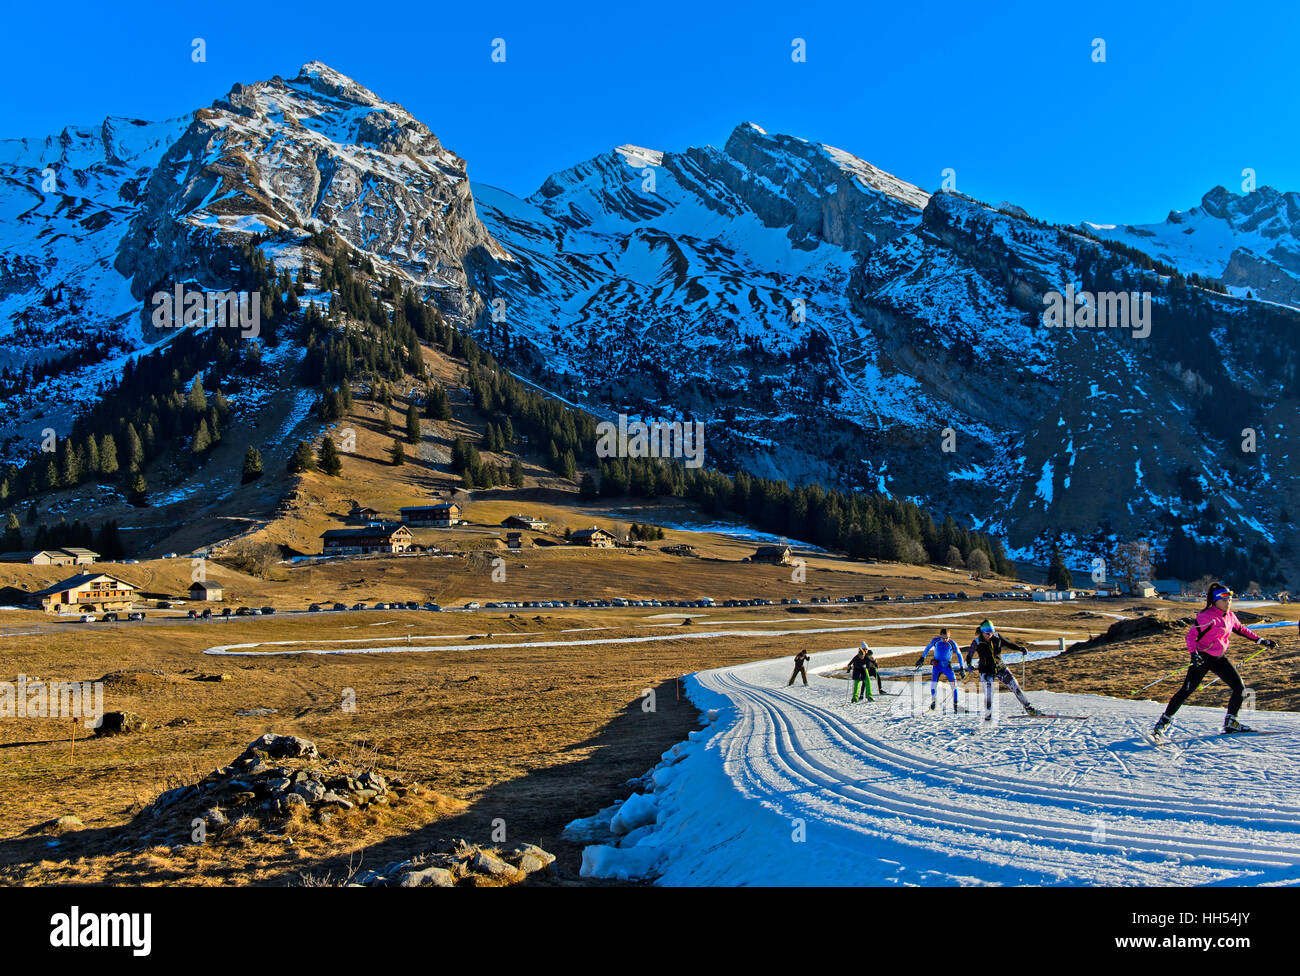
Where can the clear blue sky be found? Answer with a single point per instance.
(1190, 94)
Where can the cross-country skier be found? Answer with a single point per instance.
(859, 668)
(799, 660)
(987, 648)
(1207, 641)
(944, 648)
(873, 668)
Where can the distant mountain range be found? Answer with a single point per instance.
(824, 319)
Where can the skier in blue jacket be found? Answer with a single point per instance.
(944, 647)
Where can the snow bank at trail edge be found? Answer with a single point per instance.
(793, 786)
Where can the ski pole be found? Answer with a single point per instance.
(1217, 679)
(1168, 674)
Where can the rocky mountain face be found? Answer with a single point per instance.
(828, 321)
(824, 319)
(1250, 241)
(283, 158)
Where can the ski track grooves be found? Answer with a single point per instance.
(806, 757)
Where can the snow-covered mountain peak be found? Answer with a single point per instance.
(639, 157)
(825, 167)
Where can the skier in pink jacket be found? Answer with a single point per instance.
(1207, 641)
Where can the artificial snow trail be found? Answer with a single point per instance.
(787, 786)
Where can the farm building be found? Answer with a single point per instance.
(379, 537)
(362, 513)
(86, 593)
(771, 554)
(524, 522)
(443, 515)
(515, 540)
(71, 556)
(595, 537)
(209, 592)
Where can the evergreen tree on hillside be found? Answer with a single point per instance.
(138, 496)
(252, 466)
(328, 460)
(202, 439)
(1057, 573)
(108, 541)
(134, 449)
(12, 541)
(302, 459)
(397, 454)
(438, 404)
(198, 401)
(516, 474)
(413, 423)
(108, 455)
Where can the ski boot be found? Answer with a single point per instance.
(932, 703)
(1033, 712)
(988, 716)
(1230, 724)
(1161, 727)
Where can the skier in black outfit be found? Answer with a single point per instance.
(988, 646)
(800, 660)
(873, 668)
(858, 665)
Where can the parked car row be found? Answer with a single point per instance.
(408, 605)
(111, 617)
(703, 602)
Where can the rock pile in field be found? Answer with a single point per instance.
(120, 723)
(1138, 627)
(460, 863)
(275, 775)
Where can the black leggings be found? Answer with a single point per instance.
(1196, 674)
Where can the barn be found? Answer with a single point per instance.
(86, 593)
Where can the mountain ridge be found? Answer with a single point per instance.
(828, 320)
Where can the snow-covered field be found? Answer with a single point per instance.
(792, 786)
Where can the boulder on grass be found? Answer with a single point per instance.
(120, 723)
(281, 747)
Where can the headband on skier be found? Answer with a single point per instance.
(986, 627)
(1219, 592)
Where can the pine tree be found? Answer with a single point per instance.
(439, 405)
(302, 459)
(413, 423)
(198, 401)
(134, 449)
(139, 489)
(252, 466)
(329, 460)
(398, 453)
(202, 439)
(12, 541)
(516, 474)
(587, 490)
(69, 465)
(108, 455)
(330, 408)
